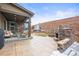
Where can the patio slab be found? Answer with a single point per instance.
(37, 46)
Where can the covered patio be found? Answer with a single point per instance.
(16, 19)
(16, 24)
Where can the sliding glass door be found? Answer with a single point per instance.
(12, 26)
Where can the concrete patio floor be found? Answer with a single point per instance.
(37, 46)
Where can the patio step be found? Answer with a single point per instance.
(14, 39)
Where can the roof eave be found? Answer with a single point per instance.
(22, 8)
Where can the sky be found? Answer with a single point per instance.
(45, 12)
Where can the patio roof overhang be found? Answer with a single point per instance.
(22, 8)
(11, 14)
(16, 7)
(14, 17)
(7, 11)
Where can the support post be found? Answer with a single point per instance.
(29, 28)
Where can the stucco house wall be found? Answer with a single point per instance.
(2, 19)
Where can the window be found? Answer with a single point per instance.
(25, 26)
(12, 26)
